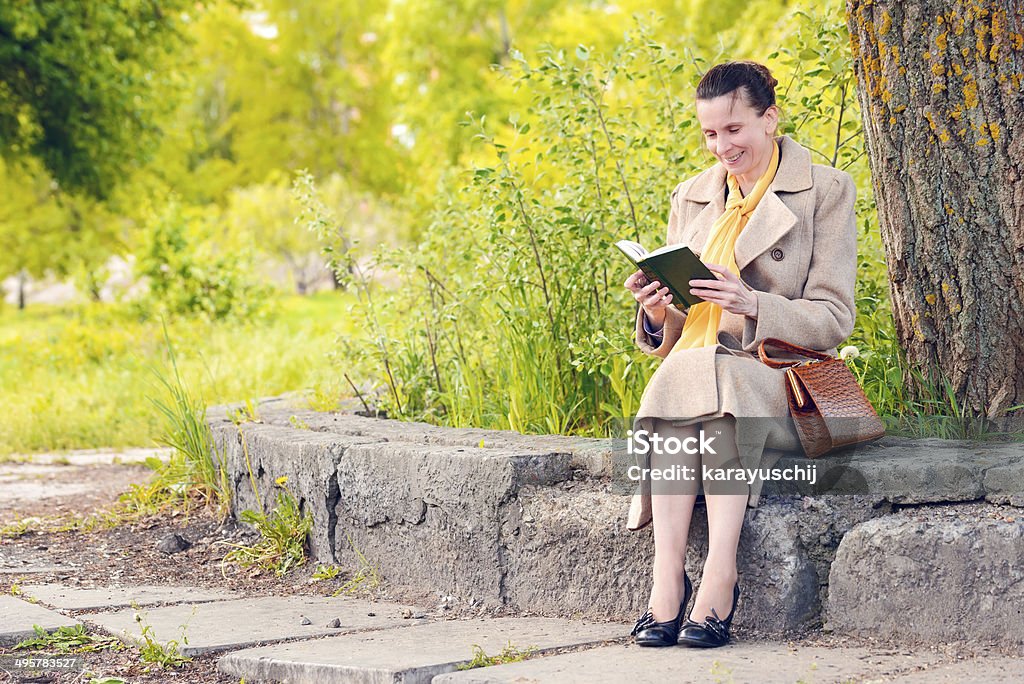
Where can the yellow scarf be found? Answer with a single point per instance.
(702, 320)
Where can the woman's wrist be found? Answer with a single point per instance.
(655, 324)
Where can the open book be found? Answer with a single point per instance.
(674, 266)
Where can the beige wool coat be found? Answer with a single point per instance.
(798, 253)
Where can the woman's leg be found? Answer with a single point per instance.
(725, 520)
(672, 510)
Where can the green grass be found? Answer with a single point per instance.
(365, 578)
(78, 377)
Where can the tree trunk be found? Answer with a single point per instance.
(940, 93)
(22, 277)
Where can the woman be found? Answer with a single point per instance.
(780, 234)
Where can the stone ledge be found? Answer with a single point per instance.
(939, 578)
(534, 523)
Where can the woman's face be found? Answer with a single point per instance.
(736, 135)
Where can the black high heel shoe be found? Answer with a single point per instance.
(714, 631)
(647, 632)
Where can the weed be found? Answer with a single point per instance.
(298, 423)
(719, 670)
(66, 640)
(196, 469)
(16, 590)
(248, 413)
(152, 651)
(323, 400)
(21, 527)
(326, 572)
(810, 676)
(283, 535)
(365, 578)
(509, 654)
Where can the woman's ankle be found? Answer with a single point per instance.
(666, 595)
(727, 573)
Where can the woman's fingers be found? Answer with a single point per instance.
(636, 280)
(657, 298)
(645, 291)
(711, 284)
(721, 270)
(727, 299)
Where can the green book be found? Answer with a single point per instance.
(674, 266)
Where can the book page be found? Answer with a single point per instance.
(633, 250)
(668, 248)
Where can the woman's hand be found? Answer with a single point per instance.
(651, 296)
(728, 292)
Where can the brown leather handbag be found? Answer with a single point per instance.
(829, 408)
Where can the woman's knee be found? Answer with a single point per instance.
(719, 442)
(674, 457)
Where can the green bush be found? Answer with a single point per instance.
(188, 275)
(510, 311)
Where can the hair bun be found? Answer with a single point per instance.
(764, 73)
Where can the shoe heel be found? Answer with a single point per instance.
(713, 632)
(652, 633)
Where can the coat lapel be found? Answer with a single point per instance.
(771, 220)
(703, 222)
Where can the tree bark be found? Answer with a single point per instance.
(939, 85)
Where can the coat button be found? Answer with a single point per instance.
(778, 254)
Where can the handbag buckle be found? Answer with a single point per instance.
(795, 386)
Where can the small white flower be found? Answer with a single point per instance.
(849, 352)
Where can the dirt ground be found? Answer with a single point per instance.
(128, 555)
(122, 556)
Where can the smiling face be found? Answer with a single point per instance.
(739, 138)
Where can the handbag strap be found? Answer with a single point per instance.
(786, 346)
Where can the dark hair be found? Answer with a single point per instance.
(751, 80)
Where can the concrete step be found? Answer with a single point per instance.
(18, 618)
(763, 663)
(78, 598)
(223, 625)
(983, 669)
(410, 656)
